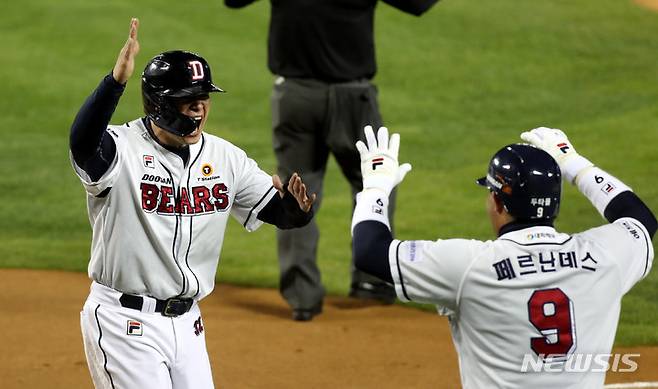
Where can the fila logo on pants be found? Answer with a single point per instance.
(134, 328)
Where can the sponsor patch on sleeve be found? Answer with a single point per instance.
(631, 230)
(413, 251)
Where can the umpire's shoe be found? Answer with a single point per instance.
(379, 291)
(307, 314)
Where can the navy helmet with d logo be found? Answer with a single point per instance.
(527, 180)
(175, 75)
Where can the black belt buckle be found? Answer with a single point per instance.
(176, 307)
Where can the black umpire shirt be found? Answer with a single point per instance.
(329, 40)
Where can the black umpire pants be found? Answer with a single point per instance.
(310, 119)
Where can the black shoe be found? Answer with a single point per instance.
(380, 291)
(303, 314)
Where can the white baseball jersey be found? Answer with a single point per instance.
(537, 292)
(159, 230)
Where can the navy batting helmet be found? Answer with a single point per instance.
(171, 75)
(527, 180)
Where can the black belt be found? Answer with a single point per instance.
(171, 307)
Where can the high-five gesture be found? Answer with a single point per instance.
(379, 160)
(297, 188)
(125, 65)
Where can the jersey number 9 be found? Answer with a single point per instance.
(551, 312)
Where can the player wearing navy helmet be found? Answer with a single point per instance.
(159, 192)
(520, 175)
(532, 294)
(167, 79)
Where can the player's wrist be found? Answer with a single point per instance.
(111, 81)
(383, 191)
(374, 191)
(573, 166)
(371, 204)
(379, 183)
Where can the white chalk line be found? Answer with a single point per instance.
(632, 385)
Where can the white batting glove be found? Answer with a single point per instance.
(556, 143)
(379, 160)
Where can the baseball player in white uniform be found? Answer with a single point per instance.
(159, 195)
(533, 292)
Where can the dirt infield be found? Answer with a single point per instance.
(251, 339)
(650, 4)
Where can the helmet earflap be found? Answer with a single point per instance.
(172, 75)
(166, 115)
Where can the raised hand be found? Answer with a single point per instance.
(125, 64)
(556, 143)
(297, 188)
(379, 160)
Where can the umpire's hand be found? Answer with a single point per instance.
(297, 188)
(125, 65)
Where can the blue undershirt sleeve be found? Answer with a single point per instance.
(627, 204)
(92, 147)
(284, 212)
(370, 243)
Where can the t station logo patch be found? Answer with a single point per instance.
(207, 170)
(134, 328)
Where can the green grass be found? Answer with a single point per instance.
(457, 83)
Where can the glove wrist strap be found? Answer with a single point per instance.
(378, 182)
(371, 204)
(574, 166)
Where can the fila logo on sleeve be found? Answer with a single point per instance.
(608, 188)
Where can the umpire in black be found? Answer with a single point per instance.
(323, 54)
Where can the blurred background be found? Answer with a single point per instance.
(458, 83)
